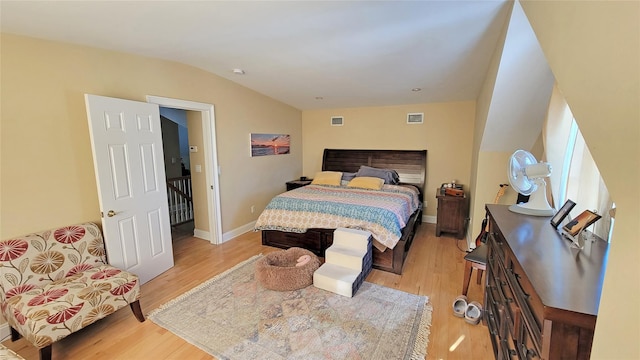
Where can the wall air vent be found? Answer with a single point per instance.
(415, 118)
(337, 121)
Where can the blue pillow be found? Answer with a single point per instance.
(348, 176)
(389, 176)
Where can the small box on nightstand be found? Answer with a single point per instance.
(294, 184)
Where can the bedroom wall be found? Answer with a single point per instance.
(446, 134)
(593, 49)
(198, 179)
(487, 170)
(47, 168)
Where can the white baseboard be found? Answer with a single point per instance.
(430, 219)
(471, 243)
(238, 231)
(5, 332)
(201, 234)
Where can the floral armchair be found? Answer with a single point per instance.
(56, 282)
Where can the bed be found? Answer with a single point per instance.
(410, 166)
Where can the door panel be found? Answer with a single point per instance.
(120, 173)
(127, 148)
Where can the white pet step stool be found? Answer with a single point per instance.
(347, 262)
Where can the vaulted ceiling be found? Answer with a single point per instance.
(308, 54)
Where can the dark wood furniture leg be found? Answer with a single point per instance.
(479, 276)
(467, 277)
(468, 269)
(137, 310)
(14, 334)
(45, 353)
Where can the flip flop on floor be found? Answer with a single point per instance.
(473, 314)
(460, 306)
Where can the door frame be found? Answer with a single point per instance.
(210, 157)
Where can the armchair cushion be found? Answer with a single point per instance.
(56, 282)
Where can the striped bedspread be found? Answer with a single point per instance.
(382, 212)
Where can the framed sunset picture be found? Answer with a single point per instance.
(270, 144)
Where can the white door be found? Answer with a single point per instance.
(129, 164)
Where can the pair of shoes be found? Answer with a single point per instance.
(460, 306)
(471, 312)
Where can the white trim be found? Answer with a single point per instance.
(210, 157)
(238, 231)
(201, 234)
(5, 332)
(415, 118)
(429, 219)
(471, 243)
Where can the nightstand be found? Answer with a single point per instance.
(294, 184)
(452, 215)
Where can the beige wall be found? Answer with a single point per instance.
(593, 49)
(198, 179)
(488, 174)
(47, 173)
(446, 135)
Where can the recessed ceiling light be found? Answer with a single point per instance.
(238, 71)
(416, 89)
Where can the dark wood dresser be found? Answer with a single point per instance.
(541, 296)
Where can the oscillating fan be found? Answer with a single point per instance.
(526, 176)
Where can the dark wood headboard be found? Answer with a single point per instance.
(410, 164)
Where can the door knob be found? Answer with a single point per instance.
(111, 213)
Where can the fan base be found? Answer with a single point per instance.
(517, 208)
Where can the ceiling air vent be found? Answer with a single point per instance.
(337, 121)
(415, 118)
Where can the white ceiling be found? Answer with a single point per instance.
(350, 53)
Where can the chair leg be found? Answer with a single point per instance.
(45, 353)
(137, 310)
(479, 275)
(467, 277)
(14, 334)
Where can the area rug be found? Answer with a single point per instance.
(231, 316)
(8, 354)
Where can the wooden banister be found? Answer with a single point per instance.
(179, 192)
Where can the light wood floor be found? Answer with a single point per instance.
(434, 268)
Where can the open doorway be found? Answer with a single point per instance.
(202, 163)
(177, 164)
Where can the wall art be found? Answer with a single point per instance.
(270, 144)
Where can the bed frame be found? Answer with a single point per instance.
(411, 167)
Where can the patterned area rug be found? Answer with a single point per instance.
(8, 354)
(232, 316)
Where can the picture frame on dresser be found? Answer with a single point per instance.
(581, 222)
(562, 213)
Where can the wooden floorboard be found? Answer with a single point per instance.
(434, 268)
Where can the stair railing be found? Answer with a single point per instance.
(180, 193)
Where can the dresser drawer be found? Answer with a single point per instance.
(544, 298)
(491, 310)
(526, 346)
(530, 306)
(497, 243)
(312, 241)
(508, 299)
(507, 350)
